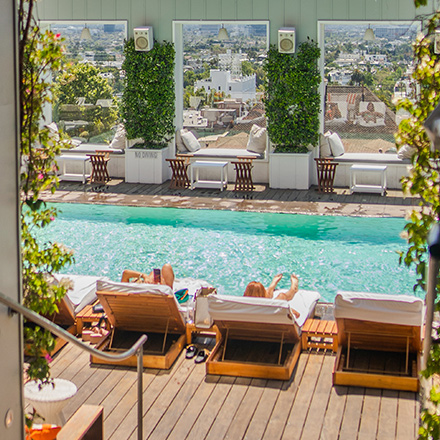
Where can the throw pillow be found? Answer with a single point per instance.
(325, 145)
(180, 146)
(42, 432)
(119, 140)
(257, 139)
(190, 142)
(405, 152)
(336, 145)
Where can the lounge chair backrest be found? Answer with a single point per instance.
(252, 318)
(140, 307)
(379, 321)
(83, 292)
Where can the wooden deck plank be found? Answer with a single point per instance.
(286, 397)
(335, 411)
(180, 402)
(230, 406)
(264, 410)
(298, 413)
(157, 381)
(209, 413)
(406, 414)
(192, 411)
(245, 412)
(352, 413)
(313, 428)
(370, 414)
(388, 415)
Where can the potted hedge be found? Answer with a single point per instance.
(147, 109)
(292, 103)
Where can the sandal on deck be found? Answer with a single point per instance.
(201, 357)
(191, 351)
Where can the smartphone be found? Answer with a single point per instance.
(156, 274)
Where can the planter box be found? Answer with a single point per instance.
(292, 170)
(147, 166)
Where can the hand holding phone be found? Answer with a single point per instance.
(156, 275)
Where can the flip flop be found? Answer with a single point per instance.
(201, 357)
(191, 351)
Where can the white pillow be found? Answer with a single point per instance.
(180, 146)
(325, 145)
(190, 141)
(406, 152)
(257, 139)
(336, 145)
(119, 140)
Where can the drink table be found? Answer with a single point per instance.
(205, 164)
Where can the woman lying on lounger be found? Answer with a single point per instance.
(166, 276)
(256, 289)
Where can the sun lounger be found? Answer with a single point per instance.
(259, 337)
(82, 294)
(379, 338)
(135, 309)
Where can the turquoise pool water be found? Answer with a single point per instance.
(229, 249)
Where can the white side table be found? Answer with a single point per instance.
(65, 158)
(49, 401)
(205, 164)
(357, 170)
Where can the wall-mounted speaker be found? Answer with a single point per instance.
(143, 38)
(286, 40)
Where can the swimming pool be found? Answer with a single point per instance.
(229, 248)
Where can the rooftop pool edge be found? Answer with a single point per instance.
(385, 210)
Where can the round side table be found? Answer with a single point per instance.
(49, 400)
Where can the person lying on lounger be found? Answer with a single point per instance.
(166, 276)
(257, 289)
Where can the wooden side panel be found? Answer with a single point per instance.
(86, 424)
(258, 331)
(378, 336)
(158, 361)
(214, 365)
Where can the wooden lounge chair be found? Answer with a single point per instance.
(135, 309)
(259, 337)
(82, 294)
(379, 338)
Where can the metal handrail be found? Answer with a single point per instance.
(136, 349)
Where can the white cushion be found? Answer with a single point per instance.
(379, 307)
(262, 310)
(83, 291)
(112, 286)
(303, 302)
(257, 139)
(190, 141)
(120, 138)
(224, 153)
(336, 145)
(405, 152)
(325, 144)
(180, 146)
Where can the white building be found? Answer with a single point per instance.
(243, 87)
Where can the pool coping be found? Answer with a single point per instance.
(328, 205)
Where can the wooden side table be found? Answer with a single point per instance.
(317, 333)
(243, 177)
(191, 328)
(87, 315)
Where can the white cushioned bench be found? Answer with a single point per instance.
(396, 168)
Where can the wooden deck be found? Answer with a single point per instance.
(186, 403)
(263, 199)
